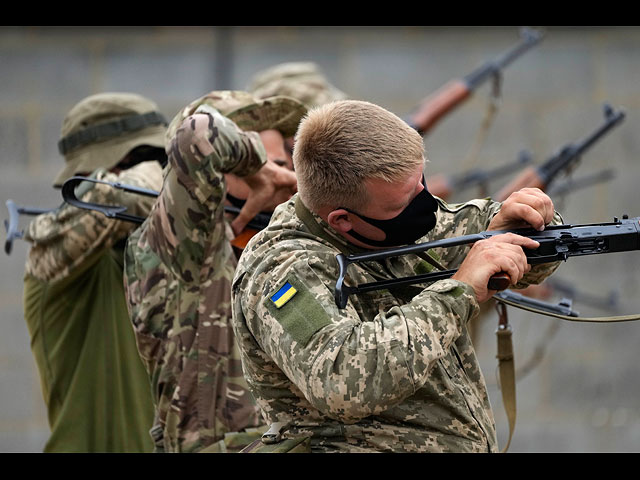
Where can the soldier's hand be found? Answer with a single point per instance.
(528, 207)
(502, 253)
(270, 186)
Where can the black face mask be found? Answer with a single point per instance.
(415, 221)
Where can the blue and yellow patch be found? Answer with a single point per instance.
(283, 295)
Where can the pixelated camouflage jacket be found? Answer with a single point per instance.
(63, 239)
(393, 371)
(178, 270)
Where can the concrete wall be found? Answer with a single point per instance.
(582, 393)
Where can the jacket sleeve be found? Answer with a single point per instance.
(187, 223)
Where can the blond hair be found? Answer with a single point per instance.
(341, 144)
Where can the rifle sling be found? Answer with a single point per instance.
(619, 318)
(506, 368)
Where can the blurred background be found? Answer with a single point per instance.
(577, 383)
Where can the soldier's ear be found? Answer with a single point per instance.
(340, 220)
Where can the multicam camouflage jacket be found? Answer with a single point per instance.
(394, 370)
(178, 270)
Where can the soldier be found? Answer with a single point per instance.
(301, 80)
(395, 370)
(95, 387)
(180, 262)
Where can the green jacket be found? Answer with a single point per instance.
(94, 384)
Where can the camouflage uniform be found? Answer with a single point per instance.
(95, 387)
(179, 265)
(301, 80)
(394, 371)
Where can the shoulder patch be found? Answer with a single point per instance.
(301, 317)
(283, 295)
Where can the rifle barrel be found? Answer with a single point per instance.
(529, 37)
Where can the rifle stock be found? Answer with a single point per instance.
(456, 91)
(529, 177)
(11, 225)
(118, 212)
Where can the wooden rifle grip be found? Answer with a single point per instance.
(499, 282)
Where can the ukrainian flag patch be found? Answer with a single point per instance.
(283, 295)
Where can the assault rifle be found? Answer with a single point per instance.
(259, 222)
(562, 161)
(444, 186)
(456, 91)
(557, 243)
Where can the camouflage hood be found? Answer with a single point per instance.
(249, 113)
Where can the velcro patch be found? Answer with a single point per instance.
(300, 318)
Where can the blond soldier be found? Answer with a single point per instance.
(95, 387)
(394, 371)
(180, 262)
